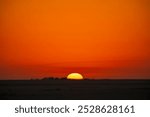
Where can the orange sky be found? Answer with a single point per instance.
(96, 38)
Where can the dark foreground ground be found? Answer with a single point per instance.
(68, 89)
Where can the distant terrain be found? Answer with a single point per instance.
(72, 89)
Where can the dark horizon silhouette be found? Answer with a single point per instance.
(62, 88)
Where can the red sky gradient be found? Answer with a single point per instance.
(97, 38)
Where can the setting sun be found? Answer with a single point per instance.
(75, 76)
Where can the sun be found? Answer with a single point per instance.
(75, 76)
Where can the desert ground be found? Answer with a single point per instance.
(59, 89)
